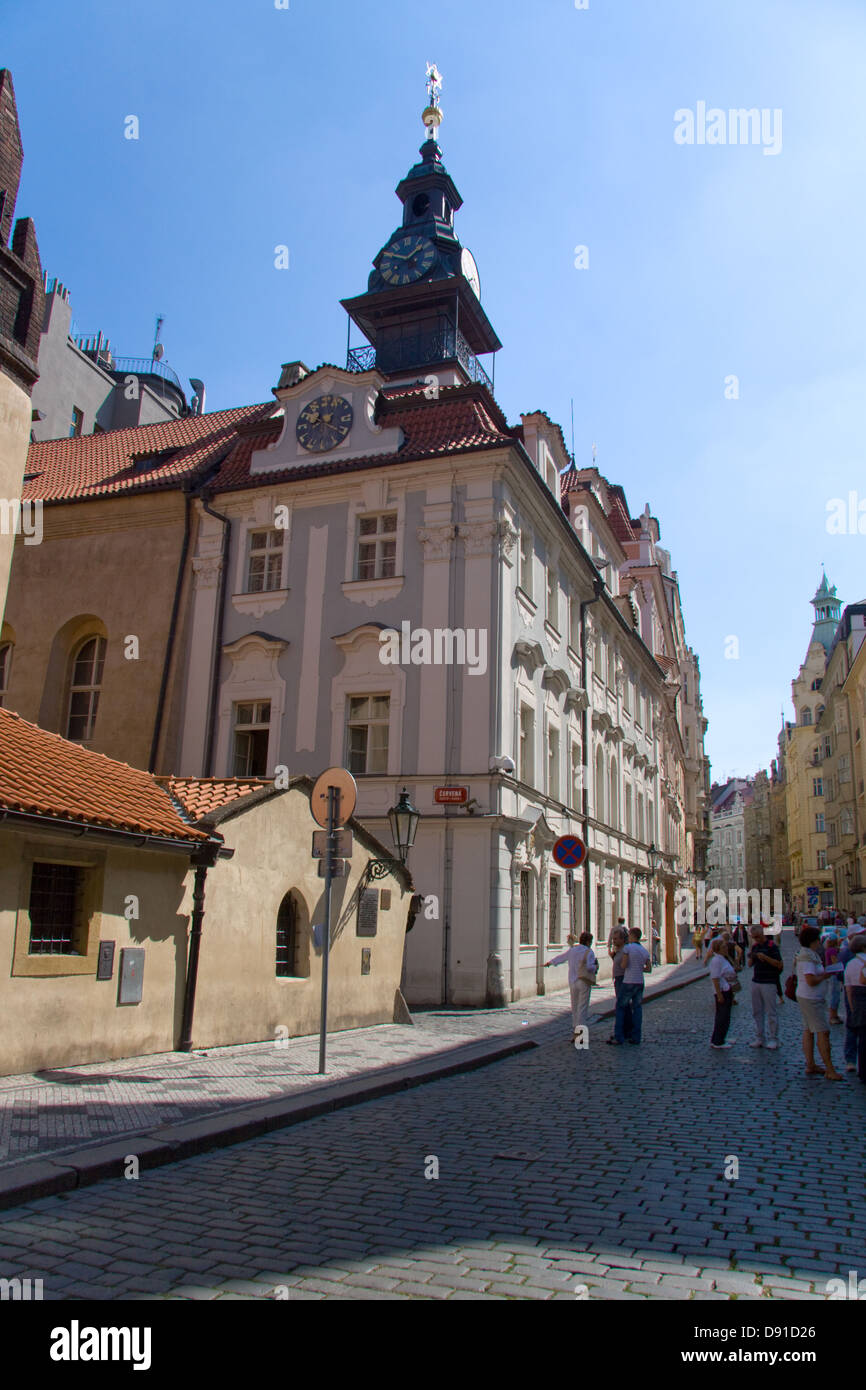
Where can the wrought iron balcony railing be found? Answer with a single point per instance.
(420, 350)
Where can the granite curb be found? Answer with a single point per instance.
(153, 1148)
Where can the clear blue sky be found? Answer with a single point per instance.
(261, 127)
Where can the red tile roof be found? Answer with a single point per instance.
(43, 774)
(100, 465)
(199, 796)
(460, 420)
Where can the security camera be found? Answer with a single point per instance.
(506, 765)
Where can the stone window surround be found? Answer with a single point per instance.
(364, 674)
(372, 498)
(265, 684)
(25, 964)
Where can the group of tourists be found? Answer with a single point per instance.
(829, 970)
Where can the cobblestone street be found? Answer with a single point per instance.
(561, 1174)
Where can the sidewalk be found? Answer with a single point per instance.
(64, 1129)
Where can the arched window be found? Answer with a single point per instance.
(84, 688)
(293, 955)
(628, 809)
(599, 784)
(5, 668)
(640, 817)
(613, 816)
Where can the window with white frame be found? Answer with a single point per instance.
(846, 821)
(265, 560)
(822, 859)
(251, 731)
(554, 910)
(525, 574)
(576, 775)
(843, 768)
(819, 823)
(574, 622)
(553, 761)
(527, 744)
(832, 839)
(527, 930)
(367, 734)
(552, 597)
(377, 546)
(84, 689)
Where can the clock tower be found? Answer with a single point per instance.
(422, 310)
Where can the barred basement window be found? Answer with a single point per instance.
(526, 932)
(265, 564)
(56, 894)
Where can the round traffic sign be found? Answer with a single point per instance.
(569, 851)
(345, 783)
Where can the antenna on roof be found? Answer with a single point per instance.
(572, 429)
(594, 454)
(158, 348)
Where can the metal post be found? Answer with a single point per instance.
(333, 817)
(185, 1043)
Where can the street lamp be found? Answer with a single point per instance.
(403, 820)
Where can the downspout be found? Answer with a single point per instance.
(496, 992)
(598, 584)
(172, 633)
(196, 919)
(451, 721)
(213, 693)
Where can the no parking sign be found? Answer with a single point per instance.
(569, 851)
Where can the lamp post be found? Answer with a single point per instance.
(654, 860)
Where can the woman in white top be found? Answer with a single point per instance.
(582, 970)
(855, 989)
(812, 980)
(724, 977)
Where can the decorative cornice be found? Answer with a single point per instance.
(530, 654)
(438, 541)
(576, 698)
(555, 678)
(479, 537)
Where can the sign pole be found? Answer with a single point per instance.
(333, 819)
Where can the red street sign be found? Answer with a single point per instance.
(451, 796)
(569, 851)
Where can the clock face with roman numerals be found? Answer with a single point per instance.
(323, 423)
(407, 259)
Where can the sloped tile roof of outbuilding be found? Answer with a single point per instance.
(44, 774)
(199, 796)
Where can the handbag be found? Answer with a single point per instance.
(584, 973)
(791, 987)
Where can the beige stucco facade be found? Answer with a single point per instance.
(56, 1013)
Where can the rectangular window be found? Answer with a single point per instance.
(847, 822)
(576, 776)
(377, 546)
(843, 768)
(252, 726)
(56, 894)
(554, 913)
(817, 786)
(553, 762)
(527, 742)
(574, 623)
(77, 423)
(525, 578)
(553, 598)
(822, 859)
(369, 717)
(265, 561)
(831, 834)
(526, 932)
(819, 823)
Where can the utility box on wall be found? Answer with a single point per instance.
(131, 977)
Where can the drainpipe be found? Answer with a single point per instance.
(598, 585)
(201, 867)
(172, 633)
(213, 693)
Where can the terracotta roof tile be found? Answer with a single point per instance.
(43, 774)
(199, 796)
(99, 465)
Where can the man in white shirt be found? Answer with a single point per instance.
(582, 968)
(630, 997)
(855, 979)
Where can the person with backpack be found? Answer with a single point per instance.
(582, 973)
(812, 980)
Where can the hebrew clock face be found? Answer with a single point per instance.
(407, 259)
(324, 423)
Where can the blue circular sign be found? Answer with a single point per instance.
(569, 851)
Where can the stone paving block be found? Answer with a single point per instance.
(434, 1291)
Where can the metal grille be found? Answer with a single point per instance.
(553, 910)
(55, 908)
(287, 937)
(525, 908)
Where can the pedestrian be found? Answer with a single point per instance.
(621, 928)
(710, 934)
(855, 992)
(655, 939)
(582, 973)
(765, 958)
(733, 952)
(812, 982)
(630, 997)
(725, 985)
(846, 954)
(831, 958)
(616, 951)
(741, 939)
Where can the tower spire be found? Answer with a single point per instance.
(432, 114)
